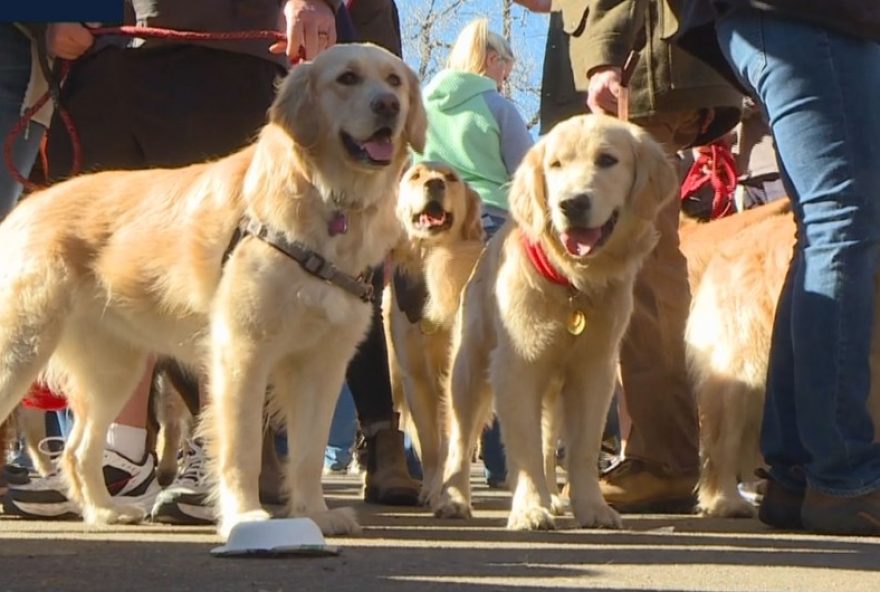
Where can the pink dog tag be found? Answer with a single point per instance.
(338, 224)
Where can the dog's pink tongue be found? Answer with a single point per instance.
(580, 241)
(380, 149)
(426, 219)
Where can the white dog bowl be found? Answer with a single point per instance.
(270, 538)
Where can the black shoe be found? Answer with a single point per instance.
(780, 506)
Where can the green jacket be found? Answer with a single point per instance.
(476, 131)
(666, 79)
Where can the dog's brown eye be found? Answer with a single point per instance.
(555, 164)
(394, 80)
(348, 79)
(605, 161)
(415, 176)
(451, 178)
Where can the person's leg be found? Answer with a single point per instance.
(661, 457)
(820, 90)
(192, 104)
(337, 455)
(15, 72)
(92, 97)
(491, 446)
(387, 479)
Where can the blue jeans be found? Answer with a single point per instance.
(492, 447)
(15, 72)
(821, 93)
(337, 454)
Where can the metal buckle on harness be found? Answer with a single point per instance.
(317, 265)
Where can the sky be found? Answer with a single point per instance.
(528, 35)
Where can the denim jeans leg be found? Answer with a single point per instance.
(493, 453)
(337, 455)
(15, 71)
(820, 90)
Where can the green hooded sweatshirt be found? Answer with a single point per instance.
(476, 131)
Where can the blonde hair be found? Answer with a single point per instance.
(472, 46)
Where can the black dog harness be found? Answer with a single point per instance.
(308, 259)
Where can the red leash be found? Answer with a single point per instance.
(128, 31)
(718, 168)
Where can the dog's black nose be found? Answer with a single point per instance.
(435, 186)
(386, 104)
(576, 207)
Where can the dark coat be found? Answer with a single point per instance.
(666, 79)
(696, 33)
(377, 21)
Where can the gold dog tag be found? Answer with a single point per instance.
(427, 327)
(577, 322)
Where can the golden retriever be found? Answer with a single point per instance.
(736, 283)
(440, 215)
(583, 204)
(728, 343)
(99, 272)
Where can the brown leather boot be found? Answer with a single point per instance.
(634, 487)
(387, 479)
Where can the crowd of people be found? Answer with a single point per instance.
(808, 72)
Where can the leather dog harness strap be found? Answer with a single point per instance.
(309, 260)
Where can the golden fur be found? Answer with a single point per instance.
(739, 265)
(101, 271)
(511, 339)
(443, 260)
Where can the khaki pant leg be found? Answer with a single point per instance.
(656, 389)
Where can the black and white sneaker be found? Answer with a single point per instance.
(46, 497)
(185, 501)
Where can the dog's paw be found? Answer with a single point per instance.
(596, 515)
(451, 506)
(558, 505)
(228, 522)
(723, 506)
(426, 497)
(116, 514)
(531, 518)
(338, 521)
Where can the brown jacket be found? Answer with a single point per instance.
(666, 80)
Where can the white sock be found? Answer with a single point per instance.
(128, 441)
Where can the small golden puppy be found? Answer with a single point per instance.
(100, 272)
(543, 314)
(444, 237)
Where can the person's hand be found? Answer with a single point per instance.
(68, 40)
(603, 90)
(310, 25)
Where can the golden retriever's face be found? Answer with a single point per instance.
(436, 205)
(355, 102)
(581, 179)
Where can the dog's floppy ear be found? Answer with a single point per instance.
(416, 126)
(528, 194)
(296, 108)
(656, 182)
(472, 228)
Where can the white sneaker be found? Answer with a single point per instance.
(185, 501)
(46, 497)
